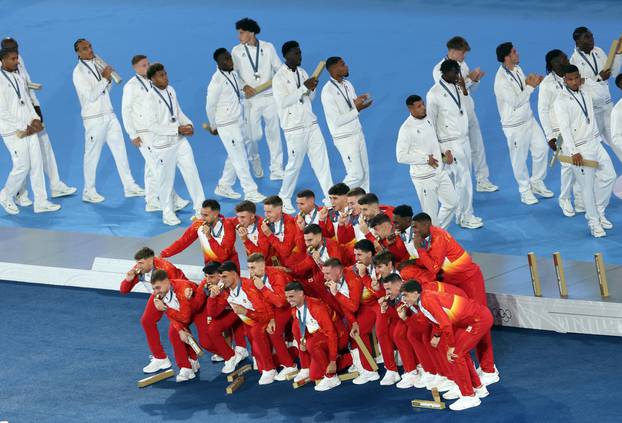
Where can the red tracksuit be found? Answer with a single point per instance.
(324, 336)
(305, 269)
(180, 319)
(258, 315)
(287, 247)
(444, 255)
(394, 332)
(257, 241)
(462, 323)
(220, 250)
(151, 316)
(274, 292)
(420, 333)
(212, 317)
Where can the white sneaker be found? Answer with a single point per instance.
(227, 192)
(157, 364)
(63, 190)
(92, 197)
(578, 206)
(170, 218)
(196, 366)
(217, 359)
(365, 376)
(566, 206)
(471, 223)
(427, 379)
(541, 189)
(184, 375)
(605, 223)
(285, 371)
(181, 203)
(408, 380)
(277, 175)
(255, 197)
(46, 206)
(489, 378)
(465, 402)
(7, 204)
(528, 198)
(242, 352)
(482, 392)
(390, 378)
(231, 364)
(433, 381)
(597, 230)
(486, 186)
(446, 385)
(302, 375)
(418, 378)
(452, 394)
(135, 191)
(22, 200)
(267, 377)
(327, 383)
(256, 167)
(288, 207)
(152, 207)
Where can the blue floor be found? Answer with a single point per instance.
(74, 355)
(391, 47)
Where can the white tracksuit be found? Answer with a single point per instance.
(590, 65)
(616, 124)
(580, 135)
(50, 168)
(549, 89)
(616, 139)
(261, 105)
(520, 127)
(100, 125)
(135, 91)
(343, 122)
(162, 118)
(302, 132)
(478, 151)
(416, 141)
(451, 123)
(16, 113)
(224, 112)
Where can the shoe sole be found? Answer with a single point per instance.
(231, 197)
(63, 194)
(155, 371)
(47, 211)
(486, 189)
(134, 195)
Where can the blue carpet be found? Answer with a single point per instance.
(74, 355)
(391, 47)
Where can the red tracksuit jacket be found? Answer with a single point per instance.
(350, 304)
(221, 252)
(158, 263)
(262, 313)
(181, 318)
(446, 255)
(288, 247)
(275, 296)
(449, 311)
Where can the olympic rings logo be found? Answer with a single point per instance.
(503, 314)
